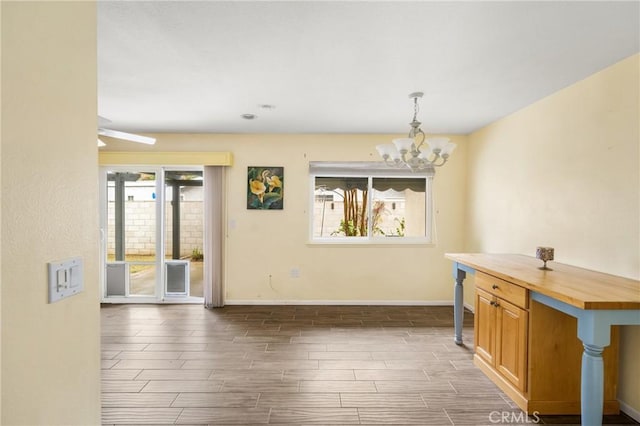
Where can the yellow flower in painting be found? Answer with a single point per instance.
(258, 189)
(274, 182)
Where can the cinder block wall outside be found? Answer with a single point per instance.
(140, 228)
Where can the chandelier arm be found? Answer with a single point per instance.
(444, 160)
(424, 138)
(403, 157)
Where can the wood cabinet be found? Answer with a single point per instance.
(501, 328)
(485, 327)
(531, 351)
(511, 343)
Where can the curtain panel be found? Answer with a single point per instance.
(214, 218)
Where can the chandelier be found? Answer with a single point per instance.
(410, 152)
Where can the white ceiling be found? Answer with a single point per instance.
(346, 67)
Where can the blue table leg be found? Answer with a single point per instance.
(592, 386)
(594, 329)
(458, 304)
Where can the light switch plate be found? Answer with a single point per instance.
(65, 278)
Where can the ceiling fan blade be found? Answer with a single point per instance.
(127, 136)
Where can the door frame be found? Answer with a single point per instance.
(160, 295)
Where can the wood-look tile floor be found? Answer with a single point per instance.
(251, 365)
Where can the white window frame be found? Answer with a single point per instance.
(370, 170)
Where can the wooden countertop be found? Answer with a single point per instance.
(579, 287)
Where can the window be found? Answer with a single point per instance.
(369, 203)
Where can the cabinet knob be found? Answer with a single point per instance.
(495, 286)
(492, 303)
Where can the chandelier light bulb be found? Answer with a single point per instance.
(437, 144)
(404, 145)
(448, 149)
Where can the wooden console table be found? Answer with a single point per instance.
(596, 300)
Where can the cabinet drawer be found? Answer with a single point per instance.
(503, 289)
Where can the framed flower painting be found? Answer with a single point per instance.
(265, 188)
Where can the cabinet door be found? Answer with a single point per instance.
(511, 343)
(485, 326)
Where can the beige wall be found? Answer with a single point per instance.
(563, 172)
(271, 243)
(50, 352)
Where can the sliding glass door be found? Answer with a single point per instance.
(151, 223)
(184, 220)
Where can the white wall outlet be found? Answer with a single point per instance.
(294, 273)
(65, 278)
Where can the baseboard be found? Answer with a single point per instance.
(153, 301)
(470, 308)
(629, 411)
(341, 302)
